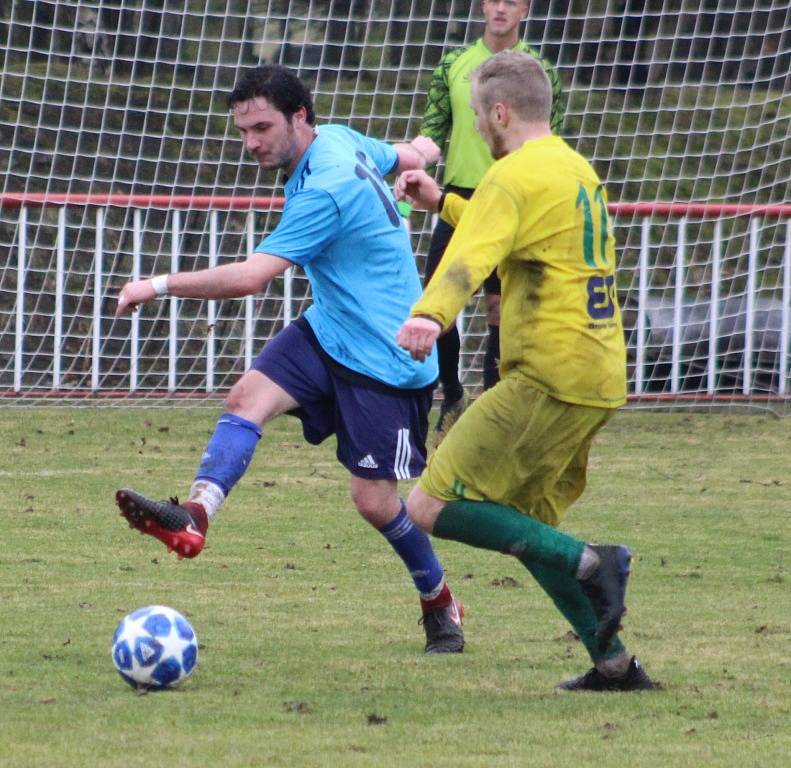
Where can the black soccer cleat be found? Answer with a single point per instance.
(606, 589)
(449, 413)
(634, 679)
(443, 628)
(180, 527)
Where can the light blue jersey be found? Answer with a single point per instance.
(341, 225)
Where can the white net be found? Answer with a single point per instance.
(672, 101)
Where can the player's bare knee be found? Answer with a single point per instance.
(423, 509)
(257, 398)
(376, 500)
(238, 398)
(359, 497)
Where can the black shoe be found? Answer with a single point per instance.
(634, 679)
(606, 589)
(449, 412)
(443, 629)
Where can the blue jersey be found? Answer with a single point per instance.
(341, 225)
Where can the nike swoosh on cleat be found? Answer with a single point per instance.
(193, 530)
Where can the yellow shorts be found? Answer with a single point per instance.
(516, 446)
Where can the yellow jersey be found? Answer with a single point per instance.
(540, 216)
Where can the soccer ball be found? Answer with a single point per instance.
(155, 648)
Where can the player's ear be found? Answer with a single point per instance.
(300, 117)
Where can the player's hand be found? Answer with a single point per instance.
(134, 293)
(417, 336)
(418, 188)
(426, 147)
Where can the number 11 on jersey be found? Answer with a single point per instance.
(601, 288)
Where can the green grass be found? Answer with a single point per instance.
(310, 652)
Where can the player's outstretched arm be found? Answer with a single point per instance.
(418, 153)
(417, 336)
(427, 147)
(228, 281)
(418, 188)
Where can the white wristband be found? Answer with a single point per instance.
(160, 284)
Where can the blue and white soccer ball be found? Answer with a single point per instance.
(155, 648)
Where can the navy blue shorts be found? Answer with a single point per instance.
(381, 430)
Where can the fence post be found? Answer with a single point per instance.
(97, 300)
(248, 300)
(714, 309)
(642, 298)
(57, 342)
(749, 312)
(19, 326)
(134, 342)
(174, 307)
(211, 304)
(782, 386)
(288, 277)
(678, 305)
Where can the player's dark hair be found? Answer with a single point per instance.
(279, 86)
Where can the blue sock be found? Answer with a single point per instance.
(229, 451)
(414, 548)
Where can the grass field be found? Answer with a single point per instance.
(310, 651)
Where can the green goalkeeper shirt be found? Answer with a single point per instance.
(449, 115)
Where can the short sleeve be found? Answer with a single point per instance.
(383, 155)
(310, 221)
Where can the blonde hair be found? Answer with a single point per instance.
(517, 79)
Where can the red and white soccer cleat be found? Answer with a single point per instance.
(180, 527)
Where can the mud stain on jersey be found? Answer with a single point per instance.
(535, 280)
(459, 276)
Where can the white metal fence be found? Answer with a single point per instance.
(705, 291)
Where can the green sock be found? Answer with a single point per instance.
(570, 600)
(551, 557)
(488, 525)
